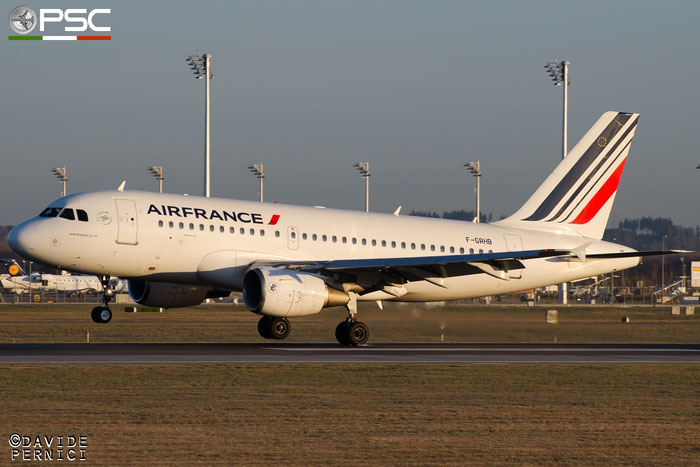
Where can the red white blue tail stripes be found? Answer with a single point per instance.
(581, 189)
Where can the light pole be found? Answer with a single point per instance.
(363, 168)
(201, 66)
(559, 72)
(257, 170)
(475, 169)
(157, 172)
(663, 268)
(60, 173)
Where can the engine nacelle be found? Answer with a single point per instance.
(166, 294)
(284, 292)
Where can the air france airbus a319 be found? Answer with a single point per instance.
(289, 261)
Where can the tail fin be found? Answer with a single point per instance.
(578, 195)
(12, 267)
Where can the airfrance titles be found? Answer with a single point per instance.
(212, 214)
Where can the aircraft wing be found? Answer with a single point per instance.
(377, 273)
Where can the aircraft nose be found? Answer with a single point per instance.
(23, 239)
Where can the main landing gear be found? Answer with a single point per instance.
(102, 314)
(274, 327)
(352, 332)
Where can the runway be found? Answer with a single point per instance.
(333, 353)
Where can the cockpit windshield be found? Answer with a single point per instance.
(50, 212)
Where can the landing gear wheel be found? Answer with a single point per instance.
(357, 333)
(264, 327)
(101, 314)
(274, 327)
(279, 328)
(341, 333)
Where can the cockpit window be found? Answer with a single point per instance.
(50, 212)
(82, 215)
(67, 213)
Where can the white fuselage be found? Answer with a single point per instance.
(182, 239)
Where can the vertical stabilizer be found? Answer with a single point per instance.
(578, 195)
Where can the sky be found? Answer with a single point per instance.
(308, 88)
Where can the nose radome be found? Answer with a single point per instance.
(22, 239)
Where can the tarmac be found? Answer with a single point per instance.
(333, 353)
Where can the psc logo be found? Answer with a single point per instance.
(23, 19)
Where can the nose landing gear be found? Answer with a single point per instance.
(102, 314)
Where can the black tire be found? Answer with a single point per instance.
(341, 333)
(357, 333)
(101, 314)
(95, 314)
(264, 327)
(279, 328)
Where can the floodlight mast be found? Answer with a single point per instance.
(60, 173)
(475, 169)
(157, 172)
(257, 170)
(201, 66)
(559, 72)
(363, 168)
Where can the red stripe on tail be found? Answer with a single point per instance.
(600, 198)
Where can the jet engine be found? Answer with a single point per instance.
(167, 294)
(285, 292)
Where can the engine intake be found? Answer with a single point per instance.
(285, 292)
(166, 294)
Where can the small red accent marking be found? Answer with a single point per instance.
(93, 38)
(274, 219)
(602, 197)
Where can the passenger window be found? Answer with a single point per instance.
(191, 226)
(364, 241)
(432, 247)
(324, 238)
(232, 230)
(374, 242)
(393, 244)
(221, 228)
(67, 214)
(480, 250)
(242, 231)
(211, 228)
(345, 239)
(160, 223)
(413, 246)
(304, 236)
(354, 241)
(314, 237)
(293, 235)
(422, 246)
(383, 242)
(82, 215)
(471, 251)
(442, 248)
(277, 233)
(262, 233)
(403, 245)
(452, 249)
(181, 225)
(252, 232)
(50, 212)
(201, 227)
(461, 250)
(335, 239)
(170, 224)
